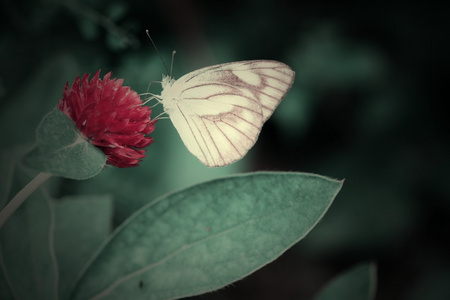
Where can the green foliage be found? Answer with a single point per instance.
(81, 223)
(207, 236)
(358, 283)
(186, 243)
(63, 151)
(29, 261)
(366, 106)
(46, 242)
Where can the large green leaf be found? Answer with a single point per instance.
(62, 150)
(45, 243)
(82, 224)
(28, 261)
(358, 283)
(207, 236)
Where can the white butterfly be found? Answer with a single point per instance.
(219, 110)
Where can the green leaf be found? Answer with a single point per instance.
(63, 151)
(28, 264)
(82, 223)
(5, 291)
(358, 283)
(45, 243)
(207, 236)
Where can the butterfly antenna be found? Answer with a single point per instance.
(171, 64)
(154, 45)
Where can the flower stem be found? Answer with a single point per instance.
(23, 194)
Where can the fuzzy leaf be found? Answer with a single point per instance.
(29, 265)
(207, 236)
(45, 243)
(82, 223)
(61, 149)
(357, 283)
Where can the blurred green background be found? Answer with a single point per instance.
(366, 105)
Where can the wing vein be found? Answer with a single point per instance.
(228, 140)
(238, 130)
(214, 142)
(193, 134)
(245, 120)
(219, 110)
(277, 79)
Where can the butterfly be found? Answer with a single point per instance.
(219, 110)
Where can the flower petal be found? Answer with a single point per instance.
(111, 116)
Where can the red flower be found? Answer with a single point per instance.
(110, 116)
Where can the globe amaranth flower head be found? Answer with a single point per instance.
(110, 116)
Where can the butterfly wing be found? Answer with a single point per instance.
(220, 110)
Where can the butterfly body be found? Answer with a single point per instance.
(219, 110)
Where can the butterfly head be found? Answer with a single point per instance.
(167, 81)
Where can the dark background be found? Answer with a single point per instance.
(366, 105)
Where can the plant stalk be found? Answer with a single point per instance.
(21, 196)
